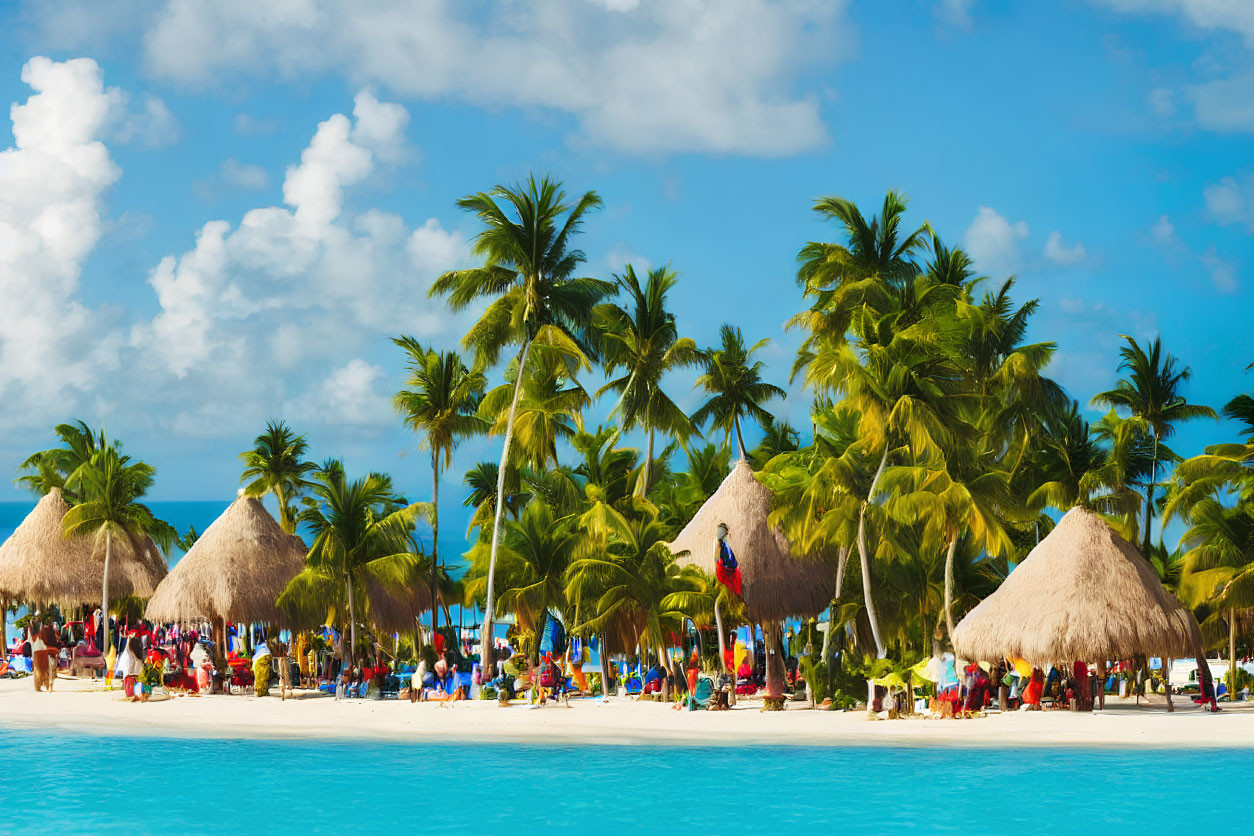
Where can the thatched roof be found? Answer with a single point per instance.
(776, 583)
(1083, 594)
(235, 570)
(38, 564)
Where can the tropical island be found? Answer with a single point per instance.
(949, 537)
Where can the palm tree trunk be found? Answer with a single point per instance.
(485, 635)
(774, 664)
(352, 621)
(1149, 500)
(1232, 654)
(740, 439)
(435, 539)
(841, 562)
(602, 655)
(949, 587)
(284, 522)
(722, 641)
(865, 562)
(644, 473)
(104, 593)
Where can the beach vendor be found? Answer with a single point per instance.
(726, 569)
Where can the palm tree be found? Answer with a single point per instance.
(440, 402)
(529, 273)
(643, 343)
(361, 531)
(733, 379)
(1153, 392)
(109, 487)
(277, 465)
(62, 467)
(547, 408)
(534, 554)
(1219, 564)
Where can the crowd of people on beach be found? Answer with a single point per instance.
(159, 661)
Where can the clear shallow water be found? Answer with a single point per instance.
(308, 787)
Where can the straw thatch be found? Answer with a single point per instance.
(776, 583)
(1083, 594)
(38, 564)
(234, 571)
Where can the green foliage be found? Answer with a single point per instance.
(277, 465)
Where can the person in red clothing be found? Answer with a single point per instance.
(1032, 694)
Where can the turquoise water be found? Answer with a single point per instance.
(196, 786)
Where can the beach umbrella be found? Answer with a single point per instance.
(776, 583)
(39, 564)
(1083, 594)
(233, 572)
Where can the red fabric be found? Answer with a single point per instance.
(731, 579)
(439, 645)
(729, 658)
(1032, 694)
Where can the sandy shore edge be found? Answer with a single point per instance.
(80, 707)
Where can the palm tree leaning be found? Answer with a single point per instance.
(110, 486)
(1152, 391)
(529, 273)
(642, 342)
(440, 403)
(277, 465)
(733, 379)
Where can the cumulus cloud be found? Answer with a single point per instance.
(993, 241)
(298, 287)
(640, 76)
(243, 175)
(1060, 253)
(52, 183)
(152, 125)
(1231, 200)
(281, 310)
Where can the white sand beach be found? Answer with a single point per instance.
(83, 706)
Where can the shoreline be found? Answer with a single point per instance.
(83, 707)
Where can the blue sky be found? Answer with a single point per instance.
(212, 216)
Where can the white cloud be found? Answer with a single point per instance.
(152, 126)
(1223, 273)
(640, 76)
(301, 287)
(956, 13)
(284, 309)
(1162, 101)
(993, 241)
(1231, 200)
(1059, 253)
(243, 175)
(353, 395)
(52, 182)
(1163, 231)
(1225, 105)
(1231, 15)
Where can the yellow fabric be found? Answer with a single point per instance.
(1021, 667)
(742, 653)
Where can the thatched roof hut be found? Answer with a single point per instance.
(235, 571)
(39, 564)
(395, 610)
(776, 583)
(1083, 594)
